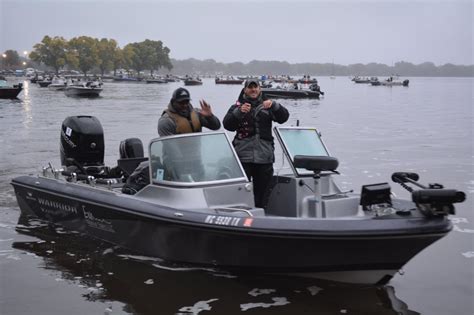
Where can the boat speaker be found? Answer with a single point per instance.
(375, 194)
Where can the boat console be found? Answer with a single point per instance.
(198, 171)
(309, 189)
(308, 157)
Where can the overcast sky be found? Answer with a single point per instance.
(342, 31)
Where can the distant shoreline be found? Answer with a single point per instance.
(256, 67)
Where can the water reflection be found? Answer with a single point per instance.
(26, 104)
(150, 286)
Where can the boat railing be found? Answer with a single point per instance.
(232, 209)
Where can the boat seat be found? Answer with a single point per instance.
(316, 164)
(128, 165)
(131, 148)
(131, 154)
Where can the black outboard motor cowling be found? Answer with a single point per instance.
(82, 141)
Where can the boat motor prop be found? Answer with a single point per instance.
(433, 200)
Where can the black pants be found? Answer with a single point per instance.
(261, 176)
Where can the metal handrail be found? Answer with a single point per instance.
(230, 209)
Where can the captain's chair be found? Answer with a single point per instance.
(131, 154)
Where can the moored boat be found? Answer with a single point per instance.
(44, 83)
(57, 84)
(364, 79)
(289, 93)
(228, 81)
(192, 81)
(390, 82)
(197, 207)
(156, 81)
(9, 91)
(292, 91)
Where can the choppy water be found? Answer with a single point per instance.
(373, 131)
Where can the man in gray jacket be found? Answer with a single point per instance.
(251, 117)
(181, 117)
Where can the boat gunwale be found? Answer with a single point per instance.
(261, 224)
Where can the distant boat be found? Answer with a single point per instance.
(364, 79)
(125, 78)
(156, 81)
(192, 81)
(57, 84)
(290, 93)
(86, 89)
(44, 83)
(228, 81)
(391, 81)
(7, 91)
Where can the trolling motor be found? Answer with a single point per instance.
(433, 200)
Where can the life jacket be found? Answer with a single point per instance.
(183, 124)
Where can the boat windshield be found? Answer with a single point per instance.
(300, 141)
(197, 158)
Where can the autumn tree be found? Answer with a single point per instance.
(84, 53)
(109, 55)
(159, 57)
(11, 59)
(52, 52)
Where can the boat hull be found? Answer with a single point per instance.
(82, 91)
(192, 82)
(57, 87)
(43, 83)
(10, 92)
(290, 94)
(156, 81)
(259, 244)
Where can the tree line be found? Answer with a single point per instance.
(88, 54)
(101, 56)
(257, 67)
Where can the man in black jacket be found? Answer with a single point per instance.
(251, 117)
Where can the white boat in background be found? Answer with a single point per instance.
(84, 89)
(391, 81)
(58, 84)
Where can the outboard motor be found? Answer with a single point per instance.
(82, 143)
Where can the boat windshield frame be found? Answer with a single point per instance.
(288, 150)
(162, 182)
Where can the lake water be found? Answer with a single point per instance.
(373, 131)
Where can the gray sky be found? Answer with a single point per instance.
(296, 31)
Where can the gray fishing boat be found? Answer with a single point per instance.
(197, 208)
